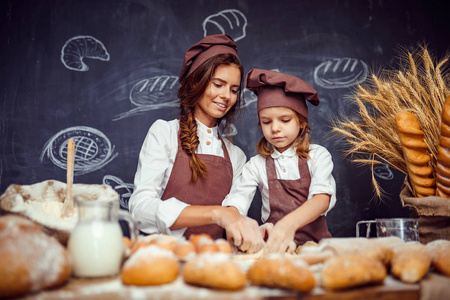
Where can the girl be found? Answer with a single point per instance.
(185, 167)
(293, 176)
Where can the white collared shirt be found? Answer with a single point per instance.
(286, 165)
(155, 165)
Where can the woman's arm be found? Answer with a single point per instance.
(242, 231)
(155, 163)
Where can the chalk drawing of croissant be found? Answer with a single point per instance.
(123, 189)
(79, 47)
(230, 21)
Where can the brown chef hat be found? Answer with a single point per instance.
(278, 89)
(207, 47)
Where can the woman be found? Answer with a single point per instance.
(185, 168)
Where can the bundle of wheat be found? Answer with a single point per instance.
(420, 86)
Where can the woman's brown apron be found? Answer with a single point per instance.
(287, 195)
(209, 191)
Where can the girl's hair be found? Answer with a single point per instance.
(191, 90)
(301, 143)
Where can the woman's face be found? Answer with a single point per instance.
(219, 96)
(280, 126)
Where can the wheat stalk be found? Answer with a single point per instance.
(419, 86)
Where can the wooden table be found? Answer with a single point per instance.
(433, 286)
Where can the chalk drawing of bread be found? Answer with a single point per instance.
(340, 73)
(154, 90)
(123, 189)
(93, 150)
(229, 21)
(79, 47)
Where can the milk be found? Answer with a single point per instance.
(96, 248)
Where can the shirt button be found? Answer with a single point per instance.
(208, 143)
(209, 131)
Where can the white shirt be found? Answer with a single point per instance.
(286, 165)
(155, 165)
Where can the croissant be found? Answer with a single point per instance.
(443, 154)
(415, 154)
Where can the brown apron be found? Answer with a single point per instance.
(287, 195)
(209, 191)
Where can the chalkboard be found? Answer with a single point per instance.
(102, 71)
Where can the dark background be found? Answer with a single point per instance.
(109, 107)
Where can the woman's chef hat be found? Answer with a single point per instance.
(279, 89)
(207, 47)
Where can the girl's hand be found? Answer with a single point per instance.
(281, 238)
(242, 231)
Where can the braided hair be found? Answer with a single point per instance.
(191, 90)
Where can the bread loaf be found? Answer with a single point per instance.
(351, 270)
(30, 260)
(410, 262)
(214, 270)
(415, 154)
(150, 265)
(443, 154)
(277, 271)
(440, 255)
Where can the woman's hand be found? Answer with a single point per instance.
(280, 238)
(241, 230)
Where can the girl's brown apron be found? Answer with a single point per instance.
(287, 195)
(209, 191)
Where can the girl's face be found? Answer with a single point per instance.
(219, 96)
(280, 126)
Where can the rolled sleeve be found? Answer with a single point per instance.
(322, 181)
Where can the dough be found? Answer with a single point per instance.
(214, 270)
(150, 265)
(30, 260)
(277, 271)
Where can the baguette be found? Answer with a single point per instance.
(443, 154)
(351, 270)
(440, 255)
(410, 262)
(415, 154)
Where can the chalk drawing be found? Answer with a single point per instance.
(383, 172)
(93, 150)
(340, 73)
(152, 93)
(123, 189)
(77, 48)
(230, 21)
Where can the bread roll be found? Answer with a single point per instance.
(150, 265)
(440, 256)
(375, 248)
(410, 262)
(277, 271)
(443, 154)
(30, 260)
(214, 270)
(351, 270)
(415, 154)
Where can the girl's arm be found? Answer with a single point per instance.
(284, 230)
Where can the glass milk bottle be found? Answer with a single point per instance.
(95, 244)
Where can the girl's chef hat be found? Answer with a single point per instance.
(206, 48)
(279, 89)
